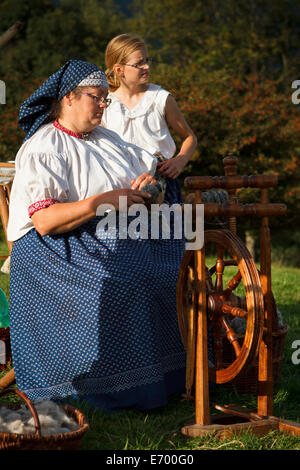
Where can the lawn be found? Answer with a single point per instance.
(160, 429)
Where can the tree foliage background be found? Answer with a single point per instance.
(230, 66)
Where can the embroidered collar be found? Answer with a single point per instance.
(79, 135)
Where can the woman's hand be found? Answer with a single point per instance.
(142, 181)
(134, 196)
(173, 167)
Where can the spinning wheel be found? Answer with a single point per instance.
(223, 304)
(211, 298)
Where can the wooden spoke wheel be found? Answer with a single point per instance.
(223, 303)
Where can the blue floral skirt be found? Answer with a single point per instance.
(95, 317)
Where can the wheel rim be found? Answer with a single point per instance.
(223, 303)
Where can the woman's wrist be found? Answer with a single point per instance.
(182, 158)
(102, 198)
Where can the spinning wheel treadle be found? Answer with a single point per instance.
(223, 304)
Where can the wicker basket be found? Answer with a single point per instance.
(37, 441)
(247, 382)
(4, 336)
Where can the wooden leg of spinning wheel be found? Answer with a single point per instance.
(265, 368)
(201, 377)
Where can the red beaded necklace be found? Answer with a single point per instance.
(79, 135)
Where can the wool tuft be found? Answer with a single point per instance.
(53, 419)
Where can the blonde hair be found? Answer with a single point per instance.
(117, 52)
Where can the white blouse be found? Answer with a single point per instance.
(52, 165)
(144, 125)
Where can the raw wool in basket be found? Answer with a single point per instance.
(6, 266)
(53, 419)
(280, 320)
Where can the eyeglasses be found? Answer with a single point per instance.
(141, 64)
(97, 100)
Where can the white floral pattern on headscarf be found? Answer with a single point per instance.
(97, 78)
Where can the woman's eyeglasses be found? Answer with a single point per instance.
(141, 64)
(97, 100)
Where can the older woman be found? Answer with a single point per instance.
(92, 314)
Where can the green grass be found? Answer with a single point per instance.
(161, 429)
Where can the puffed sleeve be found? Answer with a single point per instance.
(42, 180)
(141, 160)
(160, 101)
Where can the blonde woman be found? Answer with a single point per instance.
(144, 113)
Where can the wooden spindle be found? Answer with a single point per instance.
(234, 311)
(231, 336)
(230, 182)
(232, 284)
(219, 274)
(230, 166)
(202, 415)
(265, 373)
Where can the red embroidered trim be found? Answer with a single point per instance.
(36, 206)
(79, 135)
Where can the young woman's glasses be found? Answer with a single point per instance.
(141, 64)
(97, 100)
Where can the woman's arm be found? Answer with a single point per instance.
(64, 217)
(176, 121)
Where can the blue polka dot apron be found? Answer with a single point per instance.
(95, 317)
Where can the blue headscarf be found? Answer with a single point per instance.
(36, 110)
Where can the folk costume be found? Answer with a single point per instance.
(146, 127)
(92, 315)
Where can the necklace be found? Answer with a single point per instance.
(79, 135)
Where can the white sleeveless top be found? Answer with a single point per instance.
(145, 125)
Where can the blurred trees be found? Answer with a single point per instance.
(52, 35)
(258, 36)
